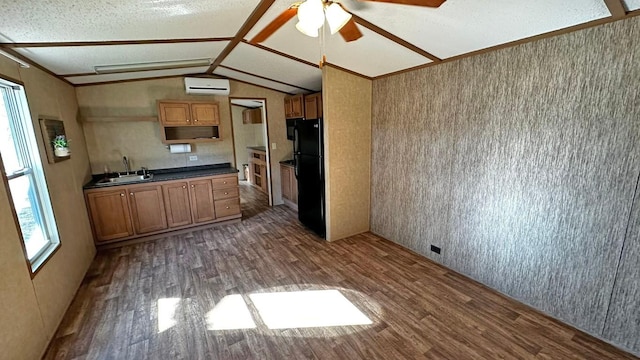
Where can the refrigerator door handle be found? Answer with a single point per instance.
(296, 139)
(295, 167)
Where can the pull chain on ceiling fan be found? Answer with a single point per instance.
(313, 13)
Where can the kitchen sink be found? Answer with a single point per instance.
(123, 179)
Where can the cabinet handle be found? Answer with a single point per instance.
(184, 186)
(226, 193)
(131, 194)
(196, 120)
(122, 194)
(224, 182)
(187, 120)
(227, 207)
(192, 186)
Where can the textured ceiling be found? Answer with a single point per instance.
(69, 38)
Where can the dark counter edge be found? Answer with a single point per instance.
(168, 174)
(257, 148)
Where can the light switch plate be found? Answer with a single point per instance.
(273, 146)
(193, 158)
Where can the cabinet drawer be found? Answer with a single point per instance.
(225, 193)
(227, 207)
(224, 182)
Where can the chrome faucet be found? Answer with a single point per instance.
(144, 171)
(125, 161)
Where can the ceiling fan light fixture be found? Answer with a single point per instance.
(310, 15)
(337, 17)
(307, 30)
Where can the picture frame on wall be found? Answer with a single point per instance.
(55, 139)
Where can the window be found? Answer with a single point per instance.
(23, 170)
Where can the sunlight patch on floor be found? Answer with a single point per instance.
(304, 309)
(230, 313)
(166, 313)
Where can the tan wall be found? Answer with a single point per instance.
(107, 142)
(347, 142)
(32, 310)
(245, 135)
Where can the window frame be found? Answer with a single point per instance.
(35, 173)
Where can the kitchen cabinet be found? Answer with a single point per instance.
(294, 106)
(289, 186)
(202, 201)
(258, 169)
(127, 212)
(109, 214)
(189, 121)
(252, 116)
(147, 209)
(313, 106)
(177, 203)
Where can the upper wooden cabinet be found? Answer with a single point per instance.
(294, 106)
(189, 121)
(252, 116)
(313, 106)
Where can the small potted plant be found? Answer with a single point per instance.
(60, 146)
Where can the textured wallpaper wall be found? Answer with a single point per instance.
(346, 100)
(522, 165)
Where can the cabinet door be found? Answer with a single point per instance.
(147, 209)
(297, 106)
(174, 114)
(246, 116)
(285, 180)
(205, 114)
(177, 204)
(202, 201)
(109, 212)
(263, 175)
(287, 108)
(310, 107)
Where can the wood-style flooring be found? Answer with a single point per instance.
(154, 300)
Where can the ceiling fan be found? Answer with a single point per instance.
(312, 15)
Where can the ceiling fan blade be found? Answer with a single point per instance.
(427, 3)
(274, 25)
(350, 31)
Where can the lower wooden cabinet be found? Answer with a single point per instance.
(177, 204)
(202, 208)
(289, 186)
(147, 209)
(109, 212)
(125, 212)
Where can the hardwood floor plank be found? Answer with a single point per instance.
(152, 301)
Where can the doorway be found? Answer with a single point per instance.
(251, 151)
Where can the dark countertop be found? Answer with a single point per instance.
(288, 162)
(257, 148)
(168, 174)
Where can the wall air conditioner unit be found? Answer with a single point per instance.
(206, 86)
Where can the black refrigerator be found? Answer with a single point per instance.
(309, 166)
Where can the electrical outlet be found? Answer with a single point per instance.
(193, 158)
(273, 146)
(435, 249)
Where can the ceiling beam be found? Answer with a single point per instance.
(616, 8)
(34, 64)
(255, 16)
(395, 39)
(262, 47)
(265, 78)
(110, 42)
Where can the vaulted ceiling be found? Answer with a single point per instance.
(68, 38)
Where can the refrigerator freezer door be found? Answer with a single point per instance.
(311, 192)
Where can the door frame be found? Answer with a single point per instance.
(265, 128)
